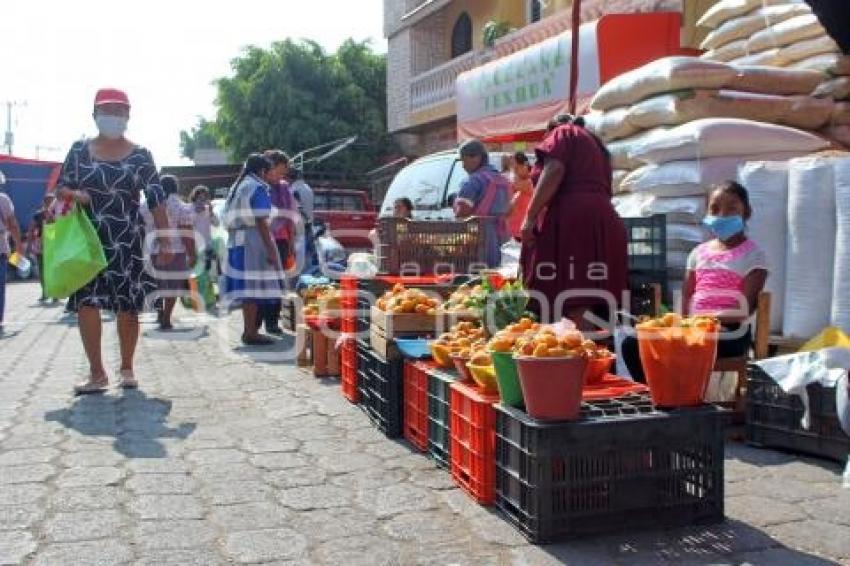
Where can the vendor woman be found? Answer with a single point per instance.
(486, 193)
(574, 243)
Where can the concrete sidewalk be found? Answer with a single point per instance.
(231, 455)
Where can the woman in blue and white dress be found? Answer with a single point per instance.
(253, 274)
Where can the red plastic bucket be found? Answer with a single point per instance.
(597, 369)
(551, 387)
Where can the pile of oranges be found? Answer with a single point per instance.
(321, 298)
(465, 339)
(527, 338)
(400, 300)
(673, 320)
(466, 299)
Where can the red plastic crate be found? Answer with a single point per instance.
(473, 441)
(416, 403)
(348, 369)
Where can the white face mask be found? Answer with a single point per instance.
(111, 126)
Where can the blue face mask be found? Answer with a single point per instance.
(724, 227)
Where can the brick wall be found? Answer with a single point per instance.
(399, 74)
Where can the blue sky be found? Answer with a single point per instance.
(163, 53)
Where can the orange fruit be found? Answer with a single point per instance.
(572, 339)
(540, 351)
(557, 352)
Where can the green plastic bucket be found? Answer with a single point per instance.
(508, 379)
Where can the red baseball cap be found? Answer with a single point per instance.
(111, 96)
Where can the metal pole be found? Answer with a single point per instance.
(9, 128)
(574, 66)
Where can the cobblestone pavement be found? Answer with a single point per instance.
(226, 457)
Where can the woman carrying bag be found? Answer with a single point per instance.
(106, 176)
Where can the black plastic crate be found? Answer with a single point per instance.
(623, 465)
(647, 243)
(439, 416)
(381, 389)
(290, 314)
(774, 419)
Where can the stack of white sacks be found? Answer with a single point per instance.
(802, 220)
(679, 125)
(781, 33)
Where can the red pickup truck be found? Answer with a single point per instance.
(348, 214)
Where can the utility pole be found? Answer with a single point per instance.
(9, 141)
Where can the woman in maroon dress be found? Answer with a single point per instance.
(573, 239)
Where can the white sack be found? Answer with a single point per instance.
(679, 211)
(785, 33)
(611, 125)
(821, 63)
(768, 58)
(746, 26)
(678, 108)
(807, 49)
(810, 247)
(631, 205)
(617, 177)
(837, 88)
(774, 80)
(841, 279)
(840, 114)
(619, 149)
(726, 10)
(767, 184)
(728, 52)
(841, 67)
(719, 137)
(838, 132)
(663, 75)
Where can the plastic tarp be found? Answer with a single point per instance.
(26, 182)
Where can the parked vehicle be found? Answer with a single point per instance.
(348, 214)
(431, 183)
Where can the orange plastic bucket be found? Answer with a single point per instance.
(677, 363)
(551, 387)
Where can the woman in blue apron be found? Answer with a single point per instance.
(486, 194)
(252, 270)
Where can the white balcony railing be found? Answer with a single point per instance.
(437, 85)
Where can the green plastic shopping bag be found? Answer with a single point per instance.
(73, 254)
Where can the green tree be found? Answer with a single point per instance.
(294, 96)
(201, 136)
